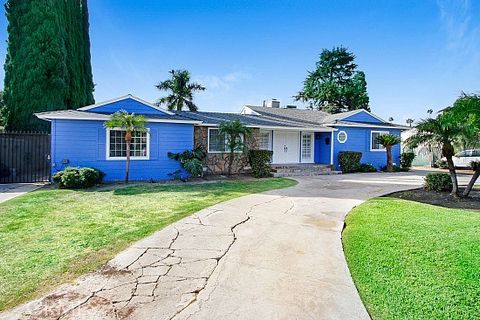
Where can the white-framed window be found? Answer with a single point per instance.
(342, 137)
(117, 147)
(265, 140)
(218, 142)
(374, 145)
(307, 146)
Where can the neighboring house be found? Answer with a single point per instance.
(425, 155)
(296, 136)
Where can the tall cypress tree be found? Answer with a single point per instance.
(46, 61)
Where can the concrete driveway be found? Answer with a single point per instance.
(12, 190)
(275, 255)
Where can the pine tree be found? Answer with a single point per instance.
(45, 65)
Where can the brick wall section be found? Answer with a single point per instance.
(217, 163)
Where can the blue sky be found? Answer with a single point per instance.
(416, 54)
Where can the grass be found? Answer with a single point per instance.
(51, 236)
(414, 261)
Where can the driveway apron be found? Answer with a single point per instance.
(274, 255)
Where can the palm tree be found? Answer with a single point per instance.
(236, 133)
(130, 123)
(181, 91)
(442, 132)
(388, 141)
(409, 121)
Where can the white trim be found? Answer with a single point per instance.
(103, 117)
(363, 125)
(383, 149)
(107, 147)
(219, 152)
(332, 141)
(128, 96)
(338, 135)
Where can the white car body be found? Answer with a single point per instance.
(463, 158)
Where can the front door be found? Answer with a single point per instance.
(286, 147)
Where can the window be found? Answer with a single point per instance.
(306, 146)
(265, 140)
(342, 137)
(374, 145)
(218, 142)
(117, 148)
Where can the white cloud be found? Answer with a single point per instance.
(221, 83)
(462, 27)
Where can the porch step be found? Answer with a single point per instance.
(296, 170)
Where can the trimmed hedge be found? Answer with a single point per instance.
(438, 182)
(78, 178)
(349, 161)
(260, 161)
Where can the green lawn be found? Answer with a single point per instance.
(51, 236)
(414, 261)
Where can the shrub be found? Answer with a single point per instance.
(406, 159)
(438, 182)
(366, 167)
(442, 164)
(349, 161)
(77, 178)
(190, 160)
(194, 167)
(394, 169)
(260, 161)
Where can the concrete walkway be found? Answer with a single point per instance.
(12, 190)
(276, 255)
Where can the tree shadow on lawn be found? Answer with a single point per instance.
(441, 199)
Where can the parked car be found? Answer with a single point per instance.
(463, 158)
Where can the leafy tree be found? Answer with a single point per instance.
(48, 60)
(2, 111)
(236, 133)
(181, 91)
(131, 123)
(388, 141)
(466, 111)
(441, 131)
(335, 85)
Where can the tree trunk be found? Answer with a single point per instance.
(128, 141)
(389, 159)
(453, 176)
(469, 188)
(230, 162)
(448, 152)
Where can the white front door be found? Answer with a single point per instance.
(286, 147)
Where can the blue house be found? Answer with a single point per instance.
(296, 136)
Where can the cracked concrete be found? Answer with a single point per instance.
(275, 255)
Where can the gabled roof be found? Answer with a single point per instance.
(128, 96)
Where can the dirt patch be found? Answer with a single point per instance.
(442, 199)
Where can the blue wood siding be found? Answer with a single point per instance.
(128, 104)
(83, 144)
(322, 147)
(359, 140)
(362, 117)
